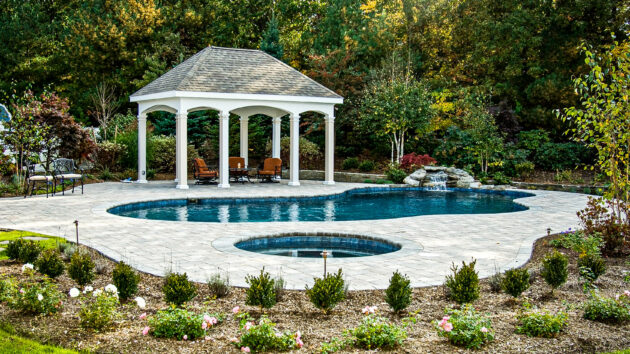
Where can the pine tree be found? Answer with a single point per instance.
(270, 42)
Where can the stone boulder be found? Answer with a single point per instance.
(436, 176)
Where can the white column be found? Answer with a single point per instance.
(275, 137)
(176, 149)
(244, 138)
(330, 150)
(142, 148)
(294, 160)
(181, 121)
(224, 150)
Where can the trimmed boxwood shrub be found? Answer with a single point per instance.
(327, 292)
(554, 269)
(515, 281)
(50, 263)
(262, 290)
(398, 293)
(367, 166)
(350, 163)
(81, 268)
(178, 289)
(464, 283)
(126, 280)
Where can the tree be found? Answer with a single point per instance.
(105, 104)
(602, 120)
(23, 137)
(270, 42)
(394, 108)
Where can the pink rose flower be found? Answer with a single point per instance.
(248, 325)
(299, 343)
(245, 349)
(206, 318)
(204, 325)
(145, 331)
(484, 329)
(143, 316)
(236, 309)
(185, 337)
(627, 293)
(234, 340)
(213, 320)
(448, 327)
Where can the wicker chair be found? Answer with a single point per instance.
(202, 174)
(66, 170)
(272, 169)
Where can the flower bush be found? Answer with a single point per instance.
(327, 292)
(99, 310)
(81, 268)
(374, 332)
(554, 269)
(515, 281)
(126, 280)
(465, 328)
(464, 283)
(50, 263)
(603, 309)
(178, 289)
(264, 337)
(398, 293)
(261, 291)
(37, 296)
(8, 289)
(541, 324)
(181, 324)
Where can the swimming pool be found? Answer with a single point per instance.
(311, 246)
(356, 204)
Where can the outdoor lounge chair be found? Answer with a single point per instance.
(238, 172)
(202, 174)
(36, 174)
(272, 169)
(65, 170)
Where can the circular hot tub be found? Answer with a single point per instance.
(312, 246)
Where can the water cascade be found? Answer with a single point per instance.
(437, 181)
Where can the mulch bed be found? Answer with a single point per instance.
(295, 312)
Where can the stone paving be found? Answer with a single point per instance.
(430, 243)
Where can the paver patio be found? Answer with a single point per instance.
(430, 242)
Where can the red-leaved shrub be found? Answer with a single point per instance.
(413, 160)
(614, 229)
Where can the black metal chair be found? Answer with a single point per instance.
(66, 170)
(37, 174)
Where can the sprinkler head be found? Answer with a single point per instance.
(548, 231)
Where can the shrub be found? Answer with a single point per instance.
(464, 283)
(68, 251)
(465, 328)
(560, 156)
(107, 155)
(81, 268)
(263, 336)
(50, 263)
(40, 297)
(515, 281)
(177, 323)
(310, 153)
(608, 310)
(367, 166)
(8, 289)
(596, 218)
(579, 242)
(350, 163)
(99, 311)
(495, 281)
(524, 169)
(126, 280)
(591, 266)
(25, 251)
(278, 287)
(398, 293)
(413, 161)
(554, 269)
(327, 292)
(178, 289)
(163, 153)
(218, 286)
(500, 178)
(261, 290)
(396, 175)
(541, 324)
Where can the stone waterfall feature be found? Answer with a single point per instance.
(440, 177)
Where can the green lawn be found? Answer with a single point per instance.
(50, 242)
(10, 343)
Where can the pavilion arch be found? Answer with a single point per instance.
(261, 85)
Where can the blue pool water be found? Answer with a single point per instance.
(358, 204)
(312, 246)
